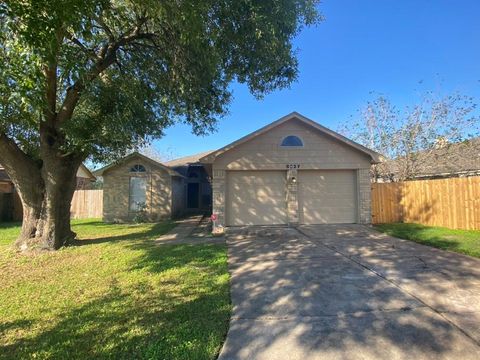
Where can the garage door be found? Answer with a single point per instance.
(256, 197)
(327, 196)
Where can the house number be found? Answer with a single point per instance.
(293, 166)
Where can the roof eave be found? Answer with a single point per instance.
(170, 171)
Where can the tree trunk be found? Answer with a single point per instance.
(46, 206)
(46, 188)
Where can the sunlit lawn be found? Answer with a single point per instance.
(115, 295)
(462, 241)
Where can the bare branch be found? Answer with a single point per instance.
(88, 51)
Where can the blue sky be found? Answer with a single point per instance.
(385, 46)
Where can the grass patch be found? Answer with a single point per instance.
(115, 295)
(461, 241)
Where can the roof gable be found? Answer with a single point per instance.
(136, 154)
(375, 157)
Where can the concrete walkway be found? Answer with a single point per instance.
(348, 292)
(183, 233)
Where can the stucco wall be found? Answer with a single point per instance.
(116, 192)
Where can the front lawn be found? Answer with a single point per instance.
(114, 295)
(461, 241)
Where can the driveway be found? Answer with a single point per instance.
(348, 292)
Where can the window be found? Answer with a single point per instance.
(138, 193)
(292, 140)
(138, 168)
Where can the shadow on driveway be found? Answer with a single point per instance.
(347, 292)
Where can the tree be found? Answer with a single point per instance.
(90, 78)
(409, 139)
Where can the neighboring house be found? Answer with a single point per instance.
(6, 185)
(291, 171)
(10, 204)
(448, 160)
(84, 179)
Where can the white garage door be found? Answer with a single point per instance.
(256, 197)
(327, 196)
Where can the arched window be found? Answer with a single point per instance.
(138, 168)
(292, 140)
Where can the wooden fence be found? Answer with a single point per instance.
(452, 203)
(85, 204)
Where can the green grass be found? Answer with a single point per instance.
(114, 295)
(461, 241)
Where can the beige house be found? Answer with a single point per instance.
(291, 171)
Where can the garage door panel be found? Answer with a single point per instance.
(327, 196)
(256, 197)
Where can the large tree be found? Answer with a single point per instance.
(91, 78)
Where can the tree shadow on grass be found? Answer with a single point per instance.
(152, 233)
(180, 316)
(10, 224)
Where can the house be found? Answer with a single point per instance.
(84, 179)
(291, 171)
(446, 160)
(137, 183)
(10, 204)
(197, 192)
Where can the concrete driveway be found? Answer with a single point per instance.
(348, 292)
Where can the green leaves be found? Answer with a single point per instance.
(119, 72)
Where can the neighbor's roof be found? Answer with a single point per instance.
(454, 158)
(87, 172)
(3, 174)
(376, 157)
(188, 160)
(172, 172)
(5, 177)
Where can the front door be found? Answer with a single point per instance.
(193, 195)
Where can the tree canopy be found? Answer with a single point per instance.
(113, 74)
(94, 78)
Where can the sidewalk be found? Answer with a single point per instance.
(184, 231)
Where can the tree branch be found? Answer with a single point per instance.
(89, 52)
(108, 58)
(50, 72)
(13, 159)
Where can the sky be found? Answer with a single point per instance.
(398, 48)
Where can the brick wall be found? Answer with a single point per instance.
(116, 190)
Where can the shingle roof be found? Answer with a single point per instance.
(171, 171)
(187, 160)
(5, 177)
(453, 158)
